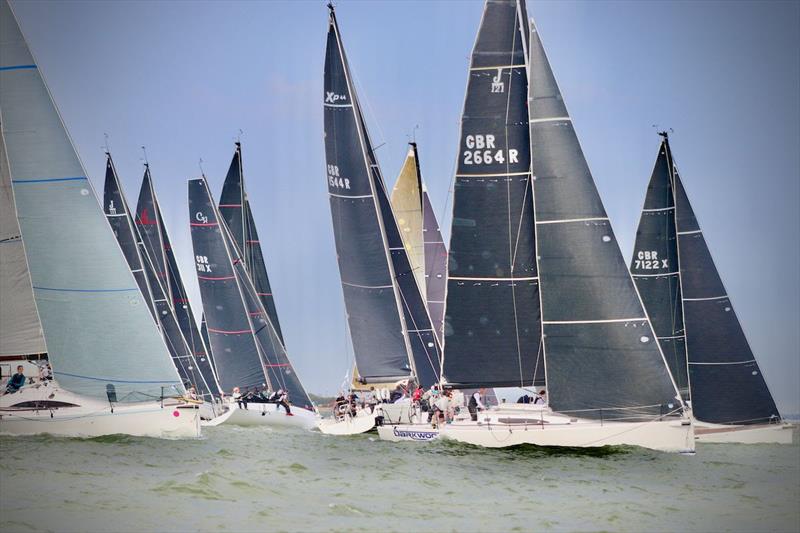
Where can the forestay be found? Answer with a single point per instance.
(391, 331)
(492, 325)
(98, 330)
(602, 357)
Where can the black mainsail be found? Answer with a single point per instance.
(601, 355)
(150, 226)
(492, 322)
(247, 350)
(391, 330)
(680, 284)
(130, 241)
(234, 206)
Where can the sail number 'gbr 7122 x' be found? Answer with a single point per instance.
(649, 260)
(481, 150)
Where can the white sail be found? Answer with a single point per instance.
(407, 206)
(100, 335)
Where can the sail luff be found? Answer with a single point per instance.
(602, 357)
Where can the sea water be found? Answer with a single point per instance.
(257, 479)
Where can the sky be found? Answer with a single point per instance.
(183, 78)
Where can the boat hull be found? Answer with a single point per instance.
(362, 423)
(408, 433)
(541, 427)
(92, 418)
(270, 414)
(751, 434)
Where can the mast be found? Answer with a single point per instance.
(655, 267)
(603, 360)
(722, 366)
(391, 332)
(98, 330)
(491, 326)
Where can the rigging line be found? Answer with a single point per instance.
(417, 329)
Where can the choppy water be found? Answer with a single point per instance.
(238, 479)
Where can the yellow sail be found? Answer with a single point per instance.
(407, 206)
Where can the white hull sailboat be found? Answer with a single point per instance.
(71, 297)
(45, 407)
(270, 414)
(777, 433)
(363, 422)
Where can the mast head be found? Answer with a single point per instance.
(664, 134)
(330, 7)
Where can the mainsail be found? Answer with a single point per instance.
(680, 284)
(246, 347)
(100, 335)
(492, 324)
(121, 221)
(153, 232)
(389, 324)
(234, 206)
(602, 357)
(20, 329)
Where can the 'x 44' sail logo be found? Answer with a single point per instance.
(331, 97)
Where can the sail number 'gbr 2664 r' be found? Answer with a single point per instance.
(481, 149)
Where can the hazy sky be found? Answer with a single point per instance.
(183, 78)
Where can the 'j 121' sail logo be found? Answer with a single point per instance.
(200, 217)
(333, 98)
(497, 85)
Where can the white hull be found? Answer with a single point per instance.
(752, 434)
(216, 421)
(89, 417)
(363, 422)
(408, 433)
(402, 412)
(516, 425)
(271, 414)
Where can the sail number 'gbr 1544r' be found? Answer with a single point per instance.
(334, 180)
(481, 149)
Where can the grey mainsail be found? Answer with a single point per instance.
(391, 331)
(601, 353)
(435, 265)
(492, 324)
(721, 366)
(234, 206)
(97, 327)
(130, 241)
(248, 352)
(20, 329)
(655, 269)
(151, 228)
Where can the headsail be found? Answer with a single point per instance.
(492, 329)
(722, 367)
(602, 357)
(234, 206)
(407, 206)
(20, 329)
(655, 268)
(252, 355)
(121, 221)
(391, 331)
(435, 265)
(98, 330)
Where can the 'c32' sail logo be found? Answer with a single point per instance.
(200, 217)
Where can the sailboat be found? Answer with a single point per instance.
(70, 283)
(393, 336)
(149, 225)
(247, 350)
(694, 320)
(141, 265)
(538, 291)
